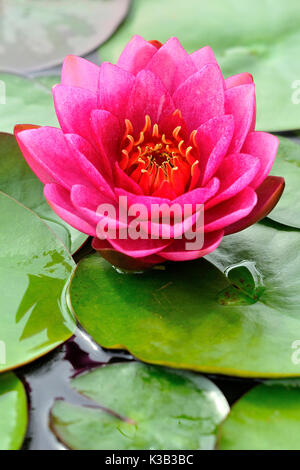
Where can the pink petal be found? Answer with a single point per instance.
(41, 171)
(172, 64)
(49, 156)
(213, 139)
(139, 248)
(107, 132)
(201, 96)
(177, 251)
(264, 146)
(148, 96)
(239, 79)
(115, 87)
(88, 202)
(81, 73)
(236, 172)
(230, 210)
(203, 57)
(122, 180)
(199, 195)
(73, 108)
(59, 200)
(240, 102)
(122, 261)
(136, 55)
(88, 160)
(268, 193)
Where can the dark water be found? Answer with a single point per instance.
(48, 379)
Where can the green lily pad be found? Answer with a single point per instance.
(34, 268)
(266, 418)
(287, 164)
(35, 35)
(136, 406)
(13, 412)
(237, 314)
(17, 180)
(26, 101)
(249, 36)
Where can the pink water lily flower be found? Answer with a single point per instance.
(160, 126)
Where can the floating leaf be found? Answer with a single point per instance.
(34, 267)
(135, 406)
(266, 418)
(238, 316)
(18, 180)
(26, 101)
(13, 412)
(35, 35)
(252, 36)
(287, 164)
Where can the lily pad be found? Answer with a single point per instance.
(237, 314)
(35, 35)
(13, 412)
(252, 36)
(287, 164)
(34, 268)
(266, 418)
(135, 406)
(18, 180)
(26, 101)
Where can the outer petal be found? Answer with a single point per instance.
(201, 96)
(236, 172)
(107, 133)
(177, 251)
(230, 211)
(114, 90)
(90, 163)
(213, 139)
(48, 154)
(122, 261)
(59, 199)
(172, 64)
(80, 73)
(203, 57)
(240, 102)
(136, 55)
(139, 248)
(73, 107)
(268, 193)
(37, 167)
(148, 96)
(264, 146)
(239, 79)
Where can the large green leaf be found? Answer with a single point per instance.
(257, 36)
(266, 418)
(17, 180)
(287, 164)
(13, 412)
(239, 317)
(136, 406)
(26, 101)
(35, 35)
(34, 268)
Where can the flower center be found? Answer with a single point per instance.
(158, 162)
